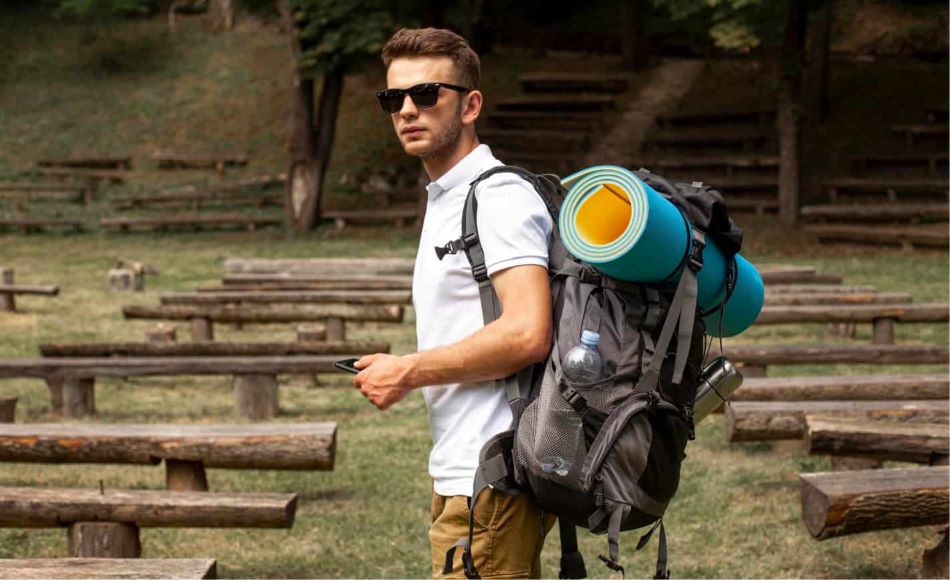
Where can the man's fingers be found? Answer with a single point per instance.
(365, 361)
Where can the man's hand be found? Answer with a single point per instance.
(383, 378)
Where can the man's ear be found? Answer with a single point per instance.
(472, 107)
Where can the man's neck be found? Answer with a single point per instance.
(438, 165)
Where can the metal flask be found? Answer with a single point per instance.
(717, 382)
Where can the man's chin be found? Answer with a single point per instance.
(417, 148)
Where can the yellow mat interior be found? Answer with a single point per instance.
(603, 215)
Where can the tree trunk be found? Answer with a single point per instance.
(633, 34)
(819, 50)
(220, 16)
(789, 115)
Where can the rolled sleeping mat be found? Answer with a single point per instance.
(624, 228)
(740, 305)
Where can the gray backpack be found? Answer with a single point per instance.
(603, 456)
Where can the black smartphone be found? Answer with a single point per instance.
(347, 365)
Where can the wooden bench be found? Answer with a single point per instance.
(209, 349)
(795, 275)
(400, 217)
(892, 187)
(179, 160)
(905, 236)
(687, 118)
(840, 503)
(25, 193)
(186, 449)
(88, 162)
(104, 523)
(728, 164)
(538, 140)
(9, 290)
(569, 103)
(107, 568)
(289, 297)
(556, 162)
(755, 359)
(883, 317)
(776, 420)
(564, 120)
(881, 440)
(888, 212)
(251, 190)
(572, 82)
(934, 163)
(746, 139)
(32, 224)
(913, 132)
(845, 388)
(319, 266)
(71, 381)
(837, 298)
(285, 281)
(91, 176)
(194, 221)
(783, 289)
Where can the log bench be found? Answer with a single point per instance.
(311, 282)
(9, 290)
(194, 221)
(755, 359)
(782, 289)
(541, 82)
(934, 163)
(890, 212)
(787, 274)
(290, 297)
(758, 205)
(913, 132)
(906, 237)
(925, 443)
(745, 139)
(179, 160)
(7, 409)
(538, 140)
(778, 420)
(556, 162)
(320, 266)
(883, 317)
(845, 388)
(203, 316)
(688, 118)
(728, 164)
(576, 121)
(892, 187)
(32, 224)
(91, 176)
(208, 349)
(836, 298)
(558, 103)
(24, 195)
(107, 568)
(71, 381)
(850, 502)
(248, 190)
(186, 449)
(88, 162)
(400, 217)
(105, 523)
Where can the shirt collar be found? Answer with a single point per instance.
(464, 171)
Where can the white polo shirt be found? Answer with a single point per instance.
(515, 229)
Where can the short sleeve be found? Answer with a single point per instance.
(514, 225)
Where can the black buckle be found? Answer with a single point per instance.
(449, 248)
(588, 275)
(616, 567)
(696, 251)
(480, 272)
(575, 400)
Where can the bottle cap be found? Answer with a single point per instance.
(590, 338)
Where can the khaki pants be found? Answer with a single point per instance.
(508, 535)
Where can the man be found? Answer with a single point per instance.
(434, 101)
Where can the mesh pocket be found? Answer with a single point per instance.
(550, 442)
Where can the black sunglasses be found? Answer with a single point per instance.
(424, 95)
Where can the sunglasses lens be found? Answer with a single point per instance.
(425, 95)
(391, 101)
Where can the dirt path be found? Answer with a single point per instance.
(655, 91)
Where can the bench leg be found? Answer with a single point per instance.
(104, 540)
(161, 333)
(79, 397)
(256, 396)
(336, 329)
(845, 463)
(7, 409)
(202, 330)
(936, 560)
(842, 329)
(185, 475)
(884, 331)
(7, 301)
(55, 386)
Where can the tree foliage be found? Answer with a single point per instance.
(339, 34)
(737, 25)
(103, 8)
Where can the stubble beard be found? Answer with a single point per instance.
(444, 142)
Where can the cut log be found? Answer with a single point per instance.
(782, 354)
(245, 190)
(175, 349)
(256, 396)
(727, 163)
(773, 420)
(892, 187)
(578, 121)
(889, 212)
(202, 330)
(856, 313)
(85, 175)
(794, 277)
(538, 140)
(780, 289)
(336, 329)
(27, 224)
(30, 507)
(933, 162)
(293, 446)
(845, 388)
(286, 282)
(292, 297)
(398, 216)
(155, 366)
(906, 236)
(885, 440)
(179, 160)
(33, 289)
(103, 540)
(79, 396)
(7, 409)
(193, 220)
(107, 569)
(263, 315)
(320, 266)
(89, 162)
(841, 503)
(837, 298)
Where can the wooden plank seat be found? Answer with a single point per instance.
(317, 266)
(883, 317)
(82, 175)
(206, 349)
(564, 120)
(557, 103)
(797, 276)
(756, 358)
(31, 186)
(892, 187)
(289, 297)
(782, 289)
(397, 216)
(89, 162)
(934, 163)
(777, 420)
(106, 522)
(744, 138)
(904, 236)
(886, 212)
(183, 160)
(9, 290)
(285, 282)
(538, 140)
(250, 190)
(728, 164)
(555, 81)
(71, 381)
(845, 387)
(925, 443)
(186, 449)
(720, 117)
(849, 502)
(757, 204)
(839, 298)
(108, 568)
(32, 224)
(190, 220)
(730, 185)
(913, 132)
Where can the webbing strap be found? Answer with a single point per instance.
(662, 572)
(572, 562)
(617, 515)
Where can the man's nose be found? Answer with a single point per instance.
(409, 108)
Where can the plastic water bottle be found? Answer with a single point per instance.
(582, 364)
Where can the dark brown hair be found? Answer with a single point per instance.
(410, 42)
